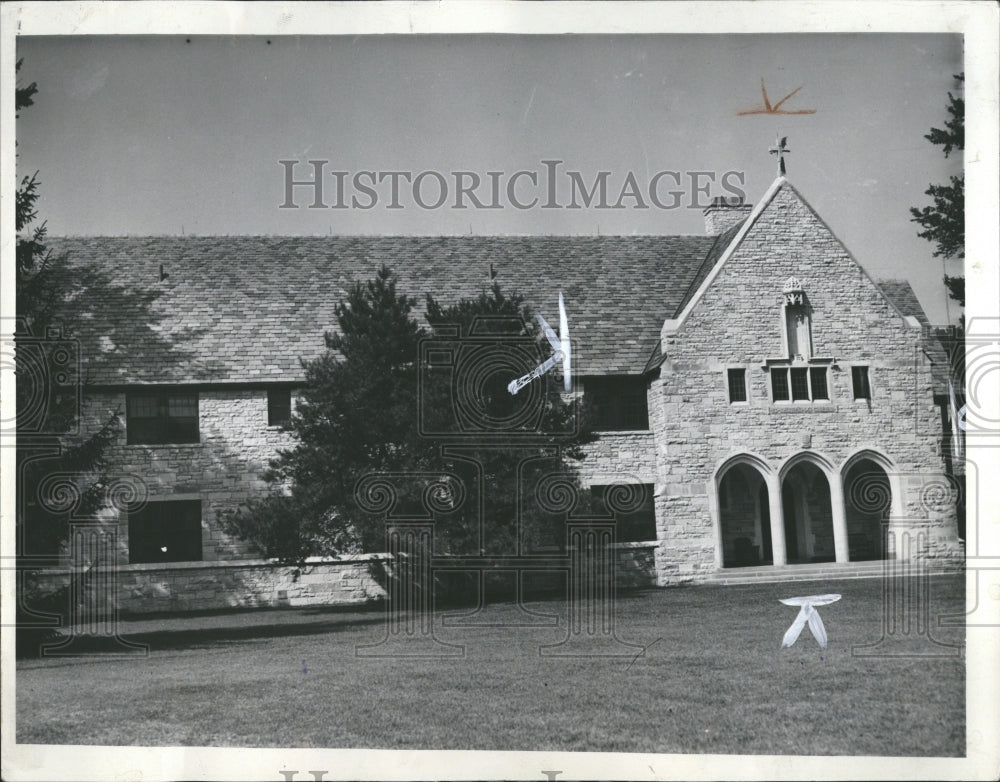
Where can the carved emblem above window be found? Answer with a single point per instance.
(792, 291)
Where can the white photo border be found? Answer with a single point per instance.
(976, 22)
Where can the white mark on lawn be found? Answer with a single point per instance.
(807, 614)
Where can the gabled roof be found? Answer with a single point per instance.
(734, 238)
(247, 309)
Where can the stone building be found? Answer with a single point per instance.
(778, 408)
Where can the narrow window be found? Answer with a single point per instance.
(859, 378)
(161, 417)
(779, 384)
(279, 406)
(737, 385)
(800, 385)
(165, 531)
(817, 379)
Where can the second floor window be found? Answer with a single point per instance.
(859, 379)
(619, 403)
(279, 406)
(161, 417)
(799, 384)
(737, 385)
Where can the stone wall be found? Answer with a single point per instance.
(206, 586)
(213, 586)
(619, 456)
(223, 470)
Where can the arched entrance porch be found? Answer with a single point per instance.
(808, 514)
(868, 505)
(744, 517)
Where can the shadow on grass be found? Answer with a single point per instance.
(205, 629)
(178, 633)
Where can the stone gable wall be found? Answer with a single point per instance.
(738, 323)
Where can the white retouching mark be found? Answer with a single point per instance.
(527, 109)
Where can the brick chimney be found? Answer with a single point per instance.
(724, 213)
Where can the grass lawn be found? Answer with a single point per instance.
(713, 679)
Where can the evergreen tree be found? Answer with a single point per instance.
(444, 435)
(944, 222)
(60, 468)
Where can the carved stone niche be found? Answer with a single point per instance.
(798, 321)
(793, 292)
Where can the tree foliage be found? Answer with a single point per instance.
(944, 221)
(48, 390)
(60, 471)
(384, 428)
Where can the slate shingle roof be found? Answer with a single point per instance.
(902, 295)
(246, 309)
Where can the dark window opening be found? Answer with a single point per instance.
(779, 384)
(279, 406)
(737, 385)
(859, 379)
(800, 385)
(618, 403)
(817, 381)
(165, 531)
(160, 417)
(637, 521)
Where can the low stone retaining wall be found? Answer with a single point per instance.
(260, 583)
(206, 586)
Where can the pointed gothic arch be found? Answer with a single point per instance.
(871, 498)
(742, 501)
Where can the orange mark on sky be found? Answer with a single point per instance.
(776, 108)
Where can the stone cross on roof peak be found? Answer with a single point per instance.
(780, 150)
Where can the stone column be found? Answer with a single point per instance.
(777, 513)
(839, 515)
(715, 510)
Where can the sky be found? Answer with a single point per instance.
(144, 135)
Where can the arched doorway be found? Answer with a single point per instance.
(808, 515)
(744, 517)
(867, 504)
